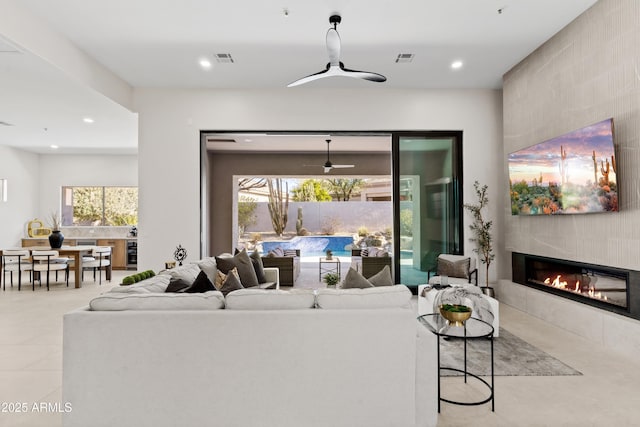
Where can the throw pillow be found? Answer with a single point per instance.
(256, 260)
(220, 276)
(353, 279)
(258, 267)
(277, 252)
(243, 263)
(231, 283)
(382, 277)
(177, 285)
(208, 265)
(371, 252)
(201, 284)
(458, 269)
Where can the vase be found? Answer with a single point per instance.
(55, 239)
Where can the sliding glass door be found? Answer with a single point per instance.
(427, 170)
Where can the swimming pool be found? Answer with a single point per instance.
(313, 245)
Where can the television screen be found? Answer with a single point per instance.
(571, 174)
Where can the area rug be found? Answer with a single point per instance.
(512, 357)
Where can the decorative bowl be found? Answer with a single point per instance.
(455, 314)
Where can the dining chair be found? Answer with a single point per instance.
(47, 261)
(15, 260)
(101, 260)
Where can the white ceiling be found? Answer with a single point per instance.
(158, 44)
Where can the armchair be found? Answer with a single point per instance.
(460, 269)
(288, 266)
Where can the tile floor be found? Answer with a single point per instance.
(607, 394)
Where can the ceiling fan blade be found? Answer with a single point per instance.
(342, 166)
(365, 75)
(311, 77)
(327, 169)
(333, 46)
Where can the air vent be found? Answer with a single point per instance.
(404, 57)
(224, 58)
(218, 139)
(5, 123)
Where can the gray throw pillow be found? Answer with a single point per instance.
(382, 277)
(458, 269)
(353, 279)
(243, 263)
(256, 260)
(231, 283)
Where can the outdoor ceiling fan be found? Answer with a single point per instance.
(328, 165)
(335, 67)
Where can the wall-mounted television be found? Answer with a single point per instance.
(570, 174)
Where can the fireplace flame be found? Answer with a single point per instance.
(562, 284)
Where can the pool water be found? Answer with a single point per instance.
(313, 245)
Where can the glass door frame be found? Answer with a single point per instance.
(458, 248)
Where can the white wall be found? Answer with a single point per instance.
(21, 169)
(35, 181)
(81, 170)
(169, 145)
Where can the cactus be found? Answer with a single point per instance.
(613, 164)
(605, 172)
(299, 222)
(595, 168)
(278, 205)
(563, 168)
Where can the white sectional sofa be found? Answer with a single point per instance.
(338, 358)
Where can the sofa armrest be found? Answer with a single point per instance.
(272, 274)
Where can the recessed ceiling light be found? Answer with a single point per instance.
(54, 147)
(87, 120)
(456, 65)
(205, 63)
(248, 140)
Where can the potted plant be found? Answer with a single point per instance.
(56, 237)
(481, 229)
(331, 279)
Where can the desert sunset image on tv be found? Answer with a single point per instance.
(571, 174)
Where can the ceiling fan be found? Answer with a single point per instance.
(328, 165)
(335, 67)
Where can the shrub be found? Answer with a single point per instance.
(363, 231)
(331, 279)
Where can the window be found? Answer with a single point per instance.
(95, 206)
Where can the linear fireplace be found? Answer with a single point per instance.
(608, 288)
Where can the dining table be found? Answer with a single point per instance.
(75, 253)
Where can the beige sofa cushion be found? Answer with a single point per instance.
(262, 299)
(376, 297)
(212, 300)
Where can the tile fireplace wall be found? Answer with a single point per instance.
(584, 74)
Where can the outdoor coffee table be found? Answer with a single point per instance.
(473, 329)
(329, 266)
